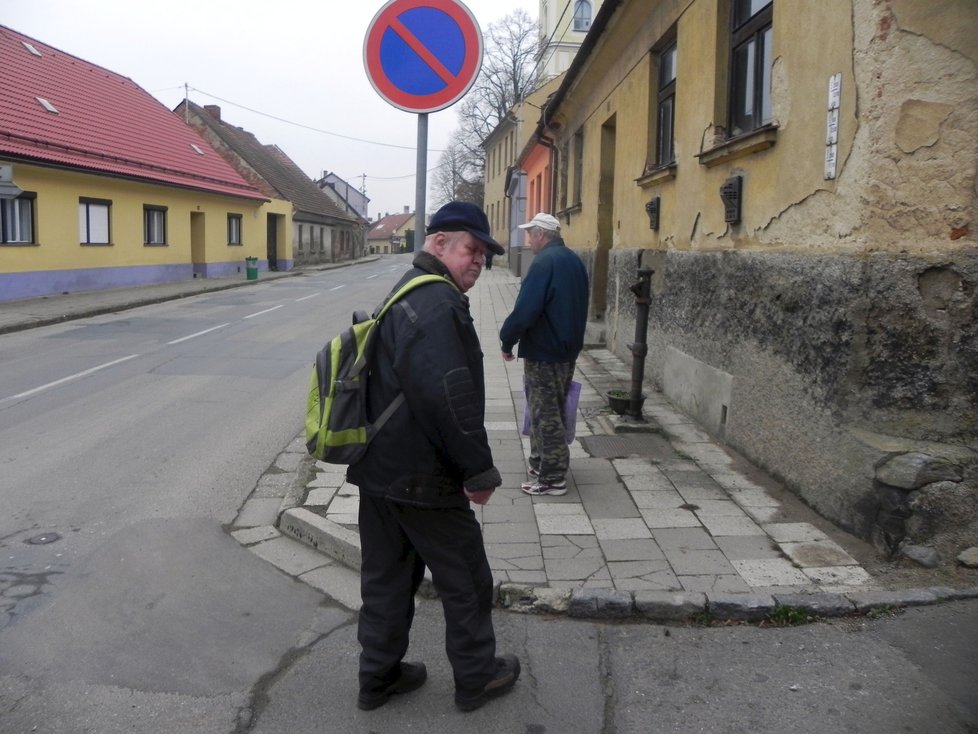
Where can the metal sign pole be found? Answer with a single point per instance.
(421, 181)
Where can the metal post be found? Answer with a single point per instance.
(421, 181)
(640, 347)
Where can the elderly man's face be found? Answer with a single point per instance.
(463, 255)
(535, 238)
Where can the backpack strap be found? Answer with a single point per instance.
(391, 300)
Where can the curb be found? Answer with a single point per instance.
(343, 544)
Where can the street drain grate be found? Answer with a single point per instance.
(648, 445)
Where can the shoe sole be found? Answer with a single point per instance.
(552, 492)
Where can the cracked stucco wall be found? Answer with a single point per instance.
(843, 311)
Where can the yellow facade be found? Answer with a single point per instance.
(196, 242)
(830, 328)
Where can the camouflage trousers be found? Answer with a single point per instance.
(546, 385)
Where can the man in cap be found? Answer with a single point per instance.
(548, 321)
(421, 471)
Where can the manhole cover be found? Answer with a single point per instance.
(649, 445)
(43, 539)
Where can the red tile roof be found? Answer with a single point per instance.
(386, 226)
(105, 123)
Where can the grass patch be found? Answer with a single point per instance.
(790, 617)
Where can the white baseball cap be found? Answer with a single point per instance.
(543, 221)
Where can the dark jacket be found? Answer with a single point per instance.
(435, 443)
(550, 314)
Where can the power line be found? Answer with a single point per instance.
(309, 127)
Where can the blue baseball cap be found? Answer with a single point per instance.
(461, 216)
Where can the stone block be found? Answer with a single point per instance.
(600, 603)
(746, 607)
(668, 606)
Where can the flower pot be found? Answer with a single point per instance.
(619, 401)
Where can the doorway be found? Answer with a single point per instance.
(606, 221)
(272, 240)
(198, 245)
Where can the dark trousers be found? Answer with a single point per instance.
(397, 542)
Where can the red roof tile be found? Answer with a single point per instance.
(105, 123)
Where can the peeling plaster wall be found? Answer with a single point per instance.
(843, 311)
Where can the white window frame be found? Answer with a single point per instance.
(154, 225)
(94, 221)
(17, 220)
(582, 15)
(234, 230)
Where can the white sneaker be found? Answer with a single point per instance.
(539, 488)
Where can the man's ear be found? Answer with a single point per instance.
(440, 242)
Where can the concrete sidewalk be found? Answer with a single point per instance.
(659, 521)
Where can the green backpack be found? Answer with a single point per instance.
(337, 430)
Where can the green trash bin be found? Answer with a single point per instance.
(251, 268)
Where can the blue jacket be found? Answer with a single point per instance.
(550, 313)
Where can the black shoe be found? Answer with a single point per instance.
(507, 671)
(412, 677)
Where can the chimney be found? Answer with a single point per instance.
(407, 210)
(214, 111)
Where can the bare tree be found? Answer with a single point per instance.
(457, 175)
(508, 74)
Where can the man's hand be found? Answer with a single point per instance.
(480, 497)
(508, 356)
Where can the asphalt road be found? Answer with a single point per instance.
(128, 441)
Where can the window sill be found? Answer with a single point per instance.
(657, 176)
(566, 213)
(739, 147)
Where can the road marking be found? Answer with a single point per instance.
(336, 288)
(69, 378)
(306, 298)
(199, 333)
(267, 310)
(369, 277)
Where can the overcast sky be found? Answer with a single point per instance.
(300, 61)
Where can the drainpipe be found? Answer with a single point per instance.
(554, 161)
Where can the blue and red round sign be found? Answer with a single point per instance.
(423, 55)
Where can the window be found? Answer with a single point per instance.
(665, 144)
(578, 164)
(93, 221)
(582, 15)
(750, 65)
(154, 225)
(234, 229)
(17, 219)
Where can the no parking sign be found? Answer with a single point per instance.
(423, 55)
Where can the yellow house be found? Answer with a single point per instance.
(800, 178)
(508, 186)
(393, 233)
(103, 187)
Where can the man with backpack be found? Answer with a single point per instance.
(422, 469)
